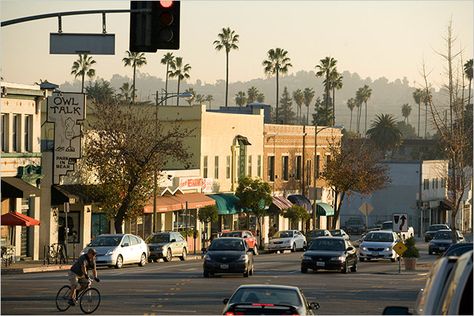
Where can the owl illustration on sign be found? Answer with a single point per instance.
(69, 133)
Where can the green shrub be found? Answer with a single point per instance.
(412, 251)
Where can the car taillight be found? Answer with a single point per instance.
(229, 314)
(261, 304)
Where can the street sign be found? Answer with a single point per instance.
(400, 223)
(71, 43)
(400, 248)
(366, 208)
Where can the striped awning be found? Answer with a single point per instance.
(169, 203)
(279, 204)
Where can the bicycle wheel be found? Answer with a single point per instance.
(90, 300)
(62, 298)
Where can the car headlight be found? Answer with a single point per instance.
(340, 258)
(109, 253)
(243, 258)
(388, 249)
(364, 248)
(207, 258)
(307, 258)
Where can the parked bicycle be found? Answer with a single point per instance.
(8, 253)
(87, 296)
(56, 254)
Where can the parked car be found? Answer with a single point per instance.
(448, 289)
(432, 229)
(119, 249)
(228, 255)
(166, 245)
(287, 240)
(340, 233)
(266, 299)
(247, 236)
(458, 249)
(442, 240)
(330, 253)
(354, 226)
(378, 245)
(388, 225)
(313, 234)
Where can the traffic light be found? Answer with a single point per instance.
(154, 25)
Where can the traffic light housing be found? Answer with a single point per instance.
(154, 25)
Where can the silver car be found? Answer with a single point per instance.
(287, 240)
(119, 249)
(167, 245)
(378, 245)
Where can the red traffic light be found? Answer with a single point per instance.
(166, 3)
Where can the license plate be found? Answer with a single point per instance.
(375, 253)
(224, 266)
(441, 248)
(320, 264)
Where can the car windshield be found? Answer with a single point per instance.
(266, 296)
(106, 241)
(387, 225)
(336, 232)
(443, 235)
(232, 234)
(437, 227)
(458, 250)
(283, 234)
(380, 237)
(158, 238)
(327, 244)
(315, 233)
(227, 244)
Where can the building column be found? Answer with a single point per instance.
(34, 247)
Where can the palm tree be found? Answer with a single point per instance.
(468, 73)
(298, 96)
(228, 39)
(83, 67)
(252, 94)
(308, 95)
(193, 96)
(180, 71)
(384, 132)
(417, 96)
(351, 103)
(135, 60)
(260, 97)
(359, 100)
(240, 98)
(406, 110)
(209, 98)
(366, 94)
(425, 98)
(335, 82)
(277, 63)
(125, 92)
(168, 59)
(324, 69)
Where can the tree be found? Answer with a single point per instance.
(83, 67)
(359, 99)
(240, 98)
(135, 60)
(351, 103)
(287, 116)
(468, 73)
(308, 95)
(417, 96)
(100, 91)
(407, 130)
(353, 168)
(277, 63)
(168, 60)
(298, 96)
(322, 115)
(384, 132)
(252, 93)
(208, 214)
(406, 110)
(325, 68)
(260, 97)
(209, 98)
(125, 92)
(335, 84)
(180, 71)
(124, 146)
(255, 195)
(426, 99)
(366, 94)
(296, 213)
(192, 98)
(227, 40)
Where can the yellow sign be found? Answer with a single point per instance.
(400, 248)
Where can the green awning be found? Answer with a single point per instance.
(324, 209)
(226, 203)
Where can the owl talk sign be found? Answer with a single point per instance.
(66, 111)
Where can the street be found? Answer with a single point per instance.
(179, 288)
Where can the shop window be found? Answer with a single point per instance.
(426, 184)
(204, 168)
(227, 168)
(259, 166)
(5, 133)
(73, 227)
(15, 133)
(28, 133)
(100, 225)
(284, 167)
(216, 167)
(298, 168)
(271, 168)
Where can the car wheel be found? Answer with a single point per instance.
(305, 247)
(205, 274)
(362, 259)
(293, 248)
(304, 270)
(392, 259)
(119, 262)
(354, 267)
(183, 256)
(426, 240)
(142, 260)
(169, 255)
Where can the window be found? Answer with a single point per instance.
(436, 183)
(308, 171)
(443, 182)
(15, 133)
(271, 168)
(5, 132)
(317, 167)
(216, 167)
(284, 168)
(227, 167)
(249, 164)
(298, 168)
(328, 159)
(204, 169)
(28, 132)
(426, 184)
(432, 183)
(259, 166)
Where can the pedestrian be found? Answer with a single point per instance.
(273, 229)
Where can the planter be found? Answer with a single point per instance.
(410, 264)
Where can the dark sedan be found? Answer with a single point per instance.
(432, 229)
(228, 255)
(330, 253)
(442, 240)
(458, 249)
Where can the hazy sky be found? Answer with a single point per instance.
(372, 38)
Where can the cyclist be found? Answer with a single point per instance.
(79, 272)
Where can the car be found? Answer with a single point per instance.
(388, 225)
(340, 233)
(442, 240)
(228, 255)
(287, 240)
(378, 245)
(166, 245)
(330, 253)
(313, 234)
(432, 229)
(458, 249)
(247, 236)
(354, 226)
(119, 249)
(266, 299)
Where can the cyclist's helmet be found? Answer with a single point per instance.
(92, 251)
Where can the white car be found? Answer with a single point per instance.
(119, 249)
(287, 240)
(378, 245)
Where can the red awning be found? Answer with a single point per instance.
(18, 219)
(169, 203)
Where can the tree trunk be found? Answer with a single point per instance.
(177, 101)
(276, 121)
(426, 120)
(166, 82)
(226, 76)
(337, 207)
(82, 84)
(133, 88)
(333, 106)
(307, 115)
(365, 129)
(350, 124)
(419, 118)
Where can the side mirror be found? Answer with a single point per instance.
(245, 237)
(125, 244)
(173, 240)
(203, 249)
(225, 300)
(350, 248)
(313, 306)
(396, 310)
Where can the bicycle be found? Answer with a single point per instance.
(7, 255)
(56, 254)
(87, 296)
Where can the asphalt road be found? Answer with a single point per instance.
(178, 287)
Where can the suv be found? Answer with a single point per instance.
(167, 245)
(431, 231)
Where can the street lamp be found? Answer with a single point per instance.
(155, 172)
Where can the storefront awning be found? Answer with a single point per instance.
(279, 203)
(74, 193)
(169, 203)
(226, 203)
(300, 200)
(13, 187)
(18, 219)
(324, 209)
(445, 205)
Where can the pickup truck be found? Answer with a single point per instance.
(388, 225)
